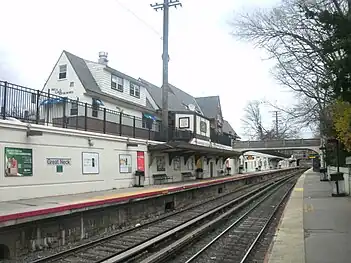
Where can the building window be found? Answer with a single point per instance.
(147, 123)
(63, 72)
(95, 107)
(71, 84)
(134, 90)
(33, 98)
(74, 107)
(203, 126)
(117, 83)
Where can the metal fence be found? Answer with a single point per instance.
(34, 106)
(277, 144)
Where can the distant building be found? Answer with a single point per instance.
(100, 86)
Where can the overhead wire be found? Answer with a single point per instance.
(139, 18)
(154, 31)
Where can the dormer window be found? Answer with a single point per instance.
(63, 72)
(134, 90)
(117, 83)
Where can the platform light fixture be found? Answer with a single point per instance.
(131, 144)
(90, 141)
(31, 132)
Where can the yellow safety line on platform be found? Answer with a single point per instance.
(126, 194)
(112, 196)
(298, 189)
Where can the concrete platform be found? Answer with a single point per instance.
(316, 227)
(22, 211)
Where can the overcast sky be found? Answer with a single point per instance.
(204, 59)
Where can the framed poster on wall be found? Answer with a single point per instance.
(160, 163)
(90, 163)
(18, 162)
(140, 161)
(125, 163)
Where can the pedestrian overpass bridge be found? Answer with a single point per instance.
(294, 144)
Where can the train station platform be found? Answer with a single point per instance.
(315, 228)
(23, 211)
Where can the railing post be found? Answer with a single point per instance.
(77, 116)
(47, 110)
(5, 100)
(37, 117)
(86, 116)
(133, 126)
(120, 123)
(104, 126)
(64, 114)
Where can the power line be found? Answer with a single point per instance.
(276, 115)
(140, 19)
(165, 58)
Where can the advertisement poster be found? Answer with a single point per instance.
(161, 163)
(90, 163)
(125, 163)
(141, 161)
(18, 162)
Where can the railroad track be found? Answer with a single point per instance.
(128, 244)
(233, 241)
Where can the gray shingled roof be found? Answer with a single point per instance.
(209, 105)
(83, 72)
(178, 100)
(227, 128)
(81, 68)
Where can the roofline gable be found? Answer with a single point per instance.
(52, 71)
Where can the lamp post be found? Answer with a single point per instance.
(323, 171)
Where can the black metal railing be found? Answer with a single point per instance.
(34, 106)
(220, 138)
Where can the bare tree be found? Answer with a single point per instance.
(254, 128)
(293, 41)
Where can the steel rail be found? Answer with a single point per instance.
(203, 249)
(52, 258)
(129, 254)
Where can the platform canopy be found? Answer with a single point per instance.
(180, 148)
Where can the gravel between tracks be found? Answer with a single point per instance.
(259, 252)
(104, 252)
(226, 249)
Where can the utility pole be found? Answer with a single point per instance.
(165, 58)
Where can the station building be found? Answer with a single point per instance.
(112, 129)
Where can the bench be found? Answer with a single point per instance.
(187, 175)
(161, 178)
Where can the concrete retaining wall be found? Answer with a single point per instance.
(81, 224)
(70, 174)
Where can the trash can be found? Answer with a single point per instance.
(323, 174)
(199, 172)
(241, 168)
(338, 185)
(139, 178)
